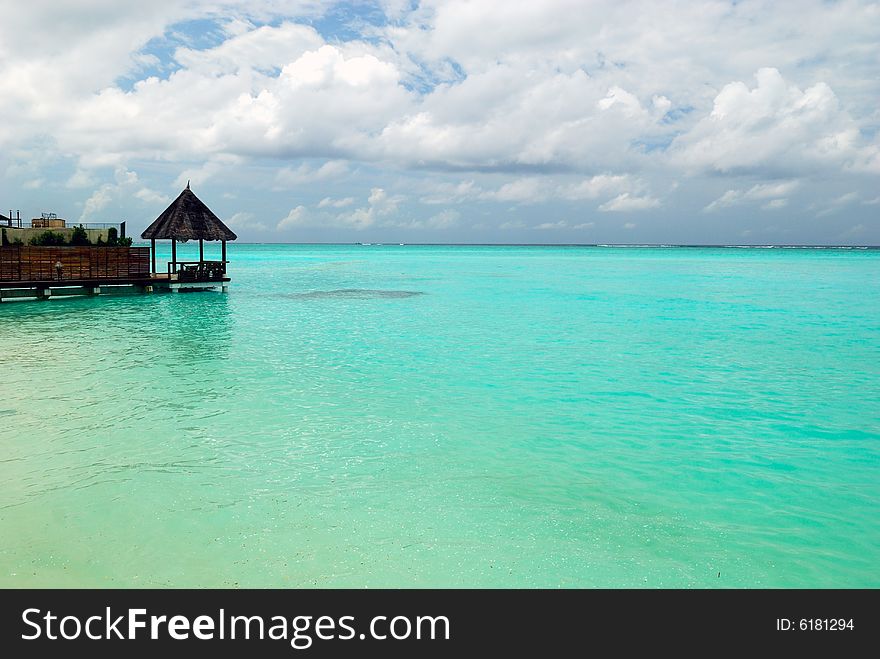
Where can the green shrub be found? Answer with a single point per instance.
(112, 237)
(79, 236)
(124, 242)
(4, 241)
(48, 239)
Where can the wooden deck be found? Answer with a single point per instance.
(32, 272)
(45, 290)
(148, 280)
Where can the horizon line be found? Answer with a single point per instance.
(660, 245)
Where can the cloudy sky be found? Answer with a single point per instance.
(571, 121)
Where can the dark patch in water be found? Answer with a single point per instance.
(353, 294)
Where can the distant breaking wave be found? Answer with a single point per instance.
(661, 246)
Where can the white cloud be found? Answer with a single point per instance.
(773, 127)
(558, 84)
(335, 203)
(525, 190)
(379, 205)
(561, 101)
(625, 202)
(295, 218)
(776, 192)
(289, 177)
(549, 226)
(151, 196)
(836, 204)
(360, 219)
(216, 165)
(98, 201)
(380, 208)
(125, 177)
(628, 190)
(443, 220)
(451, 193)
(771, 190)
(845, 199)
(80, 179)
(729, 198)
(629, 103)
(503, 118)
(126, 186)
(260, 48)
(247, 220)
(597, 186)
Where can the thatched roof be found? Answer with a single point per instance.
(187, 218)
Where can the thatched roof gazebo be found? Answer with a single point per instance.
(188, 218)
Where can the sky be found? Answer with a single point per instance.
(448, 121)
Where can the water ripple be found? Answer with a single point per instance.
(351, 294)
(532, 417)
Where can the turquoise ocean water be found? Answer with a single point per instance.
(452, 416)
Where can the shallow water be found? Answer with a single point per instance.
(452, 416)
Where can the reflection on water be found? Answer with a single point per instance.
(192, 328)
(104, 389)
(189, 328)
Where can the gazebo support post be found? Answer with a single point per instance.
(153, 254)
(173, 256)
(201, 251)
(223, 254)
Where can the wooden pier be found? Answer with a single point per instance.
(19, 281)
(36, 272)
(56, 289)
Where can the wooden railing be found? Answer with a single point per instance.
(197, 270)
(25, 263)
